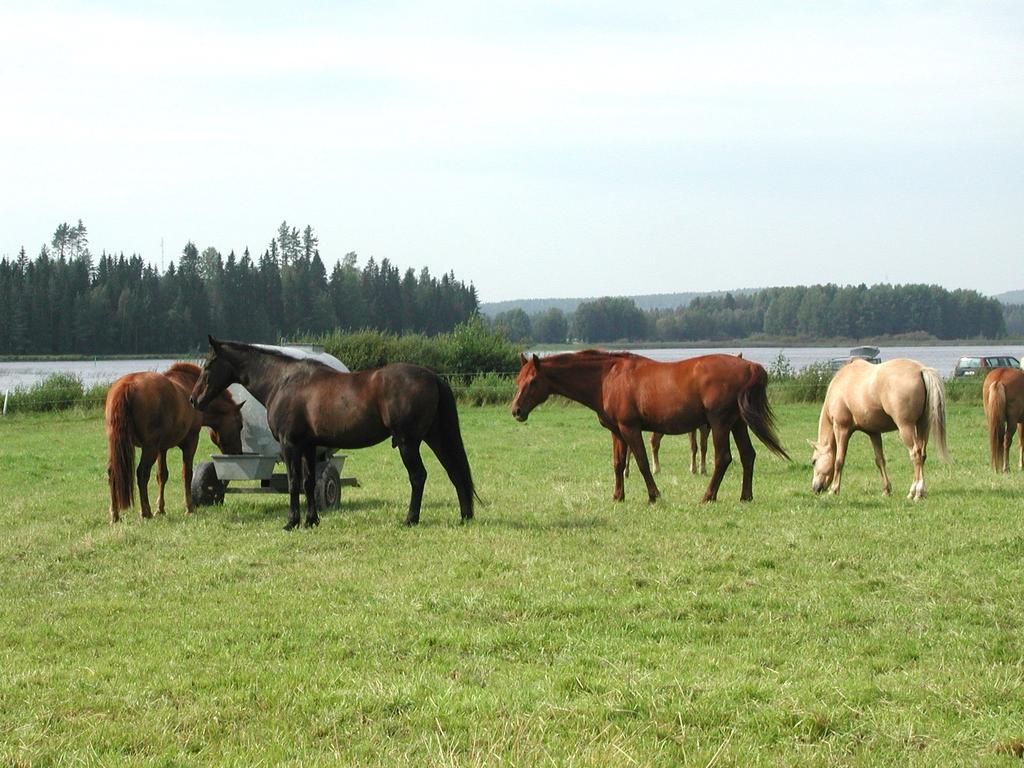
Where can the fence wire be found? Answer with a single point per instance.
(475, 388)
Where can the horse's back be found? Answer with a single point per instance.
(159, 409)
(676, 397)
(879, 397)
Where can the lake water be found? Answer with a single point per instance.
(943, 359)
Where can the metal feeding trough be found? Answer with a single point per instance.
(261, 452)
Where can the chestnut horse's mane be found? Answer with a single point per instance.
(186, 375)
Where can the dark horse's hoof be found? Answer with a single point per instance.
(291, 524)
(312, 523)
(409, 522)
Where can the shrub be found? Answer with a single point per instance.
(54, 393)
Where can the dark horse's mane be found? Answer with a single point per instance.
(264, 350)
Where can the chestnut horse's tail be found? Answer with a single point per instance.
(995, 415)
(120, 449)
(936, 408)
(445, 440)
(757, 413)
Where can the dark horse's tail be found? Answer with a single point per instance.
(445, 440)
(120, 450)
(757, 413)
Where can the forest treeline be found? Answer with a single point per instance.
(811, 312)
(66, 301)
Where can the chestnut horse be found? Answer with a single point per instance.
(151, 410)
(899, 395)
(1003, 396)
(656, 438)
(631, 394)
(310, 404)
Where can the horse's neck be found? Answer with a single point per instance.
(826, 434)
(579, 380)
(256, 372)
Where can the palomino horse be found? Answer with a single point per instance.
(310, 404)
(896, 395)
(1003, 395)
(151, 410)
(631, 394)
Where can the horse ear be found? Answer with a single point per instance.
(536, 360)
(213, 342)
(522, 359)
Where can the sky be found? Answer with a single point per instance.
(539, 148)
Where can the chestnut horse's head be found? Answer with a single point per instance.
(532, 388)
(824, 462)
(217, 375)
(226, 424)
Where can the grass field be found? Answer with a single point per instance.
(557, 629)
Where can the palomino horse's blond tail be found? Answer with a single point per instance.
(995, 415)
(121, 451)
(937, 408)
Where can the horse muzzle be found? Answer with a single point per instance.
(519, 414)
(817, 487)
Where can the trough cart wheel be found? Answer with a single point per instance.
(328, 486)
(207, 489)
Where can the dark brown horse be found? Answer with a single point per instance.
(151, 410)
(632, 394)
(309, 405)
(1003, 397)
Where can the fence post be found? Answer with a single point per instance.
(6, 393)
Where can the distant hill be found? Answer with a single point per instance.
(1011, 297)
(645, 302)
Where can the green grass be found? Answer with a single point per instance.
(557, 629)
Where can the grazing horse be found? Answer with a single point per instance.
(631, 394)
(151, 410)
(310, 404)
(1003, 396)
(896, 395)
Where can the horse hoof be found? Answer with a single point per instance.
(312, 523)
(290, 524)
(409, 522)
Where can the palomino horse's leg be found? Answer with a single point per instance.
(410, 450)
(309, 460)
(909, 436)
(723, 458)
(842, 443)
(293, 463)
(161, 480)
(704, 430)
(655, 450)
(876, 443)
(747, 455)
(620, 465)
(634, 438)
(188, 455)
(146, 461)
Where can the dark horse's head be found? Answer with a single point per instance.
(531, 388)
(217, 374)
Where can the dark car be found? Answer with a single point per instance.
(980, 366)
